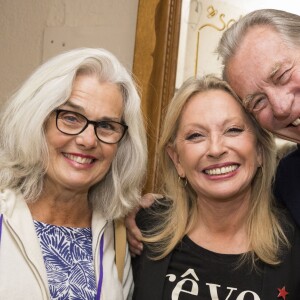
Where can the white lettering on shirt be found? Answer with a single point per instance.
(213, 288)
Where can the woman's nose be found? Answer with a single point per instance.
(216, 147)
(88, 137)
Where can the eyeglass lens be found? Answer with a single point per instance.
(73, 123)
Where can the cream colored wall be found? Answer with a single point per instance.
(201, 29)
(31, 31)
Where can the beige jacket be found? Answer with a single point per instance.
(22, 271)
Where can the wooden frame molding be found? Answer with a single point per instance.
(154, 67)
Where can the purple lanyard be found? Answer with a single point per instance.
(101, 260)
(99, 289)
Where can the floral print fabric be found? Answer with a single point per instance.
(68, 259)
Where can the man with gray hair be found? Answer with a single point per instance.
(261, 58)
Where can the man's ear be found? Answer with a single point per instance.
(172, 152)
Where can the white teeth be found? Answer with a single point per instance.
(78, 159)
(221, 171)
(296, 122)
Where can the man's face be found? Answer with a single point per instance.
(265, 73)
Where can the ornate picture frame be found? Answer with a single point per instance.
(154, 67)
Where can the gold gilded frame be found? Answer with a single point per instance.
(154, 67)
(211, 13)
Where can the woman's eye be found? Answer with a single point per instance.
(72, 118)
(234, 130)
(194, 136)
(106, 125)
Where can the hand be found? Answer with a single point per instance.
(134, 235)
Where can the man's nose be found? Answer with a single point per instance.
(281, 103)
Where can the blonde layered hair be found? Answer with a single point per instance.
(264, 231)
(23, 150)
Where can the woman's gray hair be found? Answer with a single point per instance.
(23, 149)
(285, 23)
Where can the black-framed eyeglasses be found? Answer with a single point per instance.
(73, 123)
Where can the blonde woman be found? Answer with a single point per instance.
(216, 234)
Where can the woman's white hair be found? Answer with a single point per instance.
(23, 148)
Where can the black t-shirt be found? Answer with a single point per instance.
(212, 276)
(197, 273)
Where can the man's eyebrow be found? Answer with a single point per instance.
(274, 70)
(247, 100)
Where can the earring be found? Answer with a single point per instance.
(181, 179)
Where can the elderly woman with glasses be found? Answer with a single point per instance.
(72, 160)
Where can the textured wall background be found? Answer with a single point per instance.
(34, 30)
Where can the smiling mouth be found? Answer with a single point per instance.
(221, 171)
(79, 159)
(296, 122)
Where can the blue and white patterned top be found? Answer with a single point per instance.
(68, 259)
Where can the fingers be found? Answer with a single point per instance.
(148, 199)
(135, 245)
(134, 234)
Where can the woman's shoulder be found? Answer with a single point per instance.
(9, 199)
